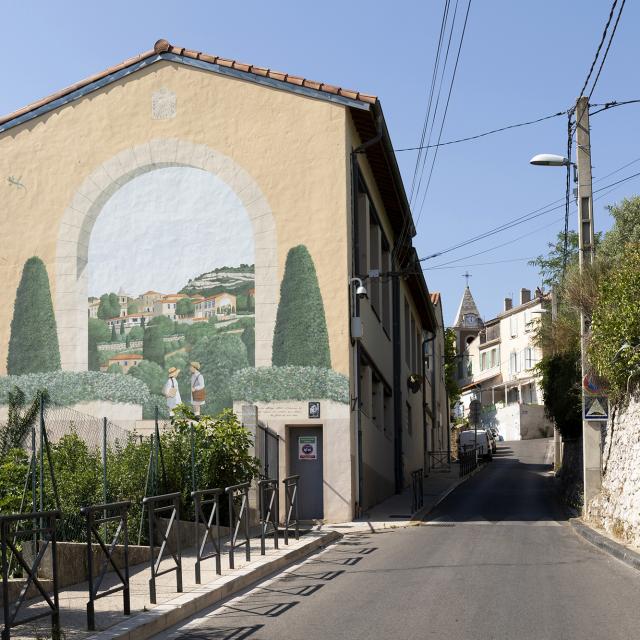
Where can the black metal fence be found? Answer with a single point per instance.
(468, 461)
(439, 460)
(116, 514)
(168, 503)
(238, 520)
(42, 527)
(269, 503)
(291, 507)
(417, 491)
(203, 499)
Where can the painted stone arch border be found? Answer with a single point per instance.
(77, 223)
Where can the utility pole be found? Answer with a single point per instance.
(557, 440)
(590, 431)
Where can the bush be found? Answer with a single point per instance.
(70, 387)
(33, 343)
(14, 467)
(615, 322)
(560, 382)
(151, 374)
(153, 345)
(222, 445)
(289, 383)
(220, 356)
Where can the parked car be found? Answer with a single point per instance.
(479, 438)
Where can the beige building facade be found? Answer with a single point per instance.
(309, 172)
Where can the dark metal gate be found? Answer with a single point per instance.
(267, 447)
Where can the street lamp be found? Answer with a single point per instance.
(549, 160)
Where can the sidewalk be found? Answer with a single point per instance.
(396, 511)
(172, 607)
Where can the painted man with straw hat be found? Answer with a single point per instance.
(197, 387)
(171, 391)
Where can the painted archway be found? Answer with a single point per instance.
(80, 216)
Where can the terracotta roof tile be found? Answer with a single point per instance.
(163, 46)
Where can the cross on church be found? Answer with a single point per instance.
(466, 275)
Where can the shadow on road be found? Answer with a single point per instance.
(276, 598)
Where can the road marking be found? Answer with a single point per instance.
(497, 523)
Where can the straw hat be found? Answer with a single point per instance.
(173, 372)
(195, 365)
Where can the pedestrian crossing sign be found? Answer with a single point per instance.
(596, 408)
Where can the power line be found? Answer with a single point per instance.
(602, 39)
(443, 25)
(606, 52)
(481, 264)
(444, 117)
(611, 105)
(522, 219)
(482, 135)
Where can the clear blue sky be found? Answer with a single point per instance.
(520, 61)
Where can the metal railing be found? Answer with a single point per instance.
(439, 460)
(468, 461)
(417, 492)
(238, 519)
(268, 501)
(291, 506)
(43, 523)
(172, 504)
(120, 511)
(201, 499)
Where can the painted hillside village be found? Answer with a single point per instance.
(148, 334)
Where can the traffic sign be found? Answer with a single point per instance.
(596, 408)
(593, 385)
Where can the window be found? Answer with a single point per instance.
(414, 351)
(385, 287)
(483, 361)
(374, 263)
(528, 321)
(513, 326)
(494, 358)
(407, 334)
(514, 362)
(529, 358)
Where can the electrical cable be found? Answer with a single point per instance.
(436, 64)
(611, 105)
(604, 36)
(606, 52)
(482, 135)
(444, 117)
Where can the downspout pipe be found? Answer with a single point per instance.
(354, 305)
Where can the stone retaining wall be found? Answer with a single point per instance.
(616, 508)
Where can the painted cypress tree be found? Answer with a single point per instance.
(249, 340)
(33, 345)
(300, 336)
(122, 331)
(153, 346)
(114, 337)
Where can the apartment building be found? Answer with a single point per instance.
(497, 365)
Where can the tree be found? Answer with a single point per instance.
(185, 307)
(151, 374)
(165, 326)
(614, 347)
(98, 331)
(550, 266)
(249, 340)
(33, 342)
(220, 356)
(153, 346)
(20, 419)
(122, 330)
(196, 332)
(132, 307)
(300, 336)
(115, 368)
(626, 228)
(136, 333)
(114, 336)
(450, 366)
(109, 306)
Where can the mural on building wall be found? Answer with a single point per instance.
(171, 295)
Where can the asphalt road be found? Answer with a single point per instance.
(495, 560)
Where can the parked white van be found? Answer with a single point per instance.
(468, 440)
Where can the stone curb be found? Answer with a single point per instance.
(421, 513)
(630, 558)
(166, 615)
